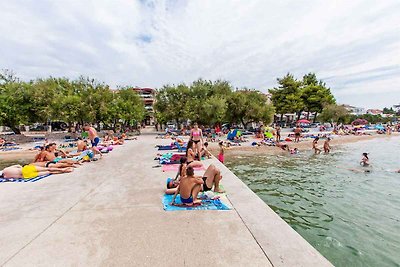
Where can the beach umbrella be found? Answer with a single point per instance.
(379, 127)
(303, 121)
(359, 122)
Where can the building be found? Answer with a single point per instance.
(375, 111)
(148, 96)
(355, 110)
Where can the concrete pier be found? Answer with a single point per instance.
(109, 213)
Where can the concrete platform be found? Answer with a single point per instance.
(109, 213)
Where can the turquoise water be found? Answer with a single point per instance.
(351, 217)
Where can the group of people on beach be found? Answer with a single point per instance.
(52, 160)
(188, 185)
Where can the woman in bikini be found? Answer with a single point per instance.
(315, 147)
(196, 135)
(190, 155)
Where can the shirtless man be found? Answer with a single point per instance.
(314, 146)
(81, 145)
(30, 171)
(297, 134)
(278, 133)
(49, 157)
(94, 138)
(327, 146)
(189, 188)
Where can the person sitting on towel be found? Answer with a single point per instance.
(211, 178)
(190, 155)
(189, 188)
(204, 151)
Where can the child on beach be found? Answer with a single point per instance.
(315, 143)
(221, 152)
(365, 160)
(327, 147)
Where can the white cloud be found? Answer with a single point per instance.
(354, 45)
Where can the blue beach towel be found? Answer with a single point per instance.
(8, 148)
(166, 148)
(207, 204)
(21, 180)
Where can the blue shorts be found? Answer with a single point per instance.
(95, 141)
(187, 200)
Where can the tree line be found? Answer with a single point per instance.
(210, 103)
(72, 101)
(203, 101)
(297, 96)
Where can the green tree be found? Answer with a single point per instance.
(172, 103)
(130, 108)
(247, 106)
(286, 98)
(208, 103)
(315, 95)
(334, 113)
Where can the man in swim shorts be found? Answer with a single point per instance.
(94, 138)
(189, 187)
(297, 134)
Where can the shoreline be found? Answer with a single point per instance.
(303, 145)
(27, 155)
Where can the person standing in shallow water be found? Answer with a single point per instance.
(221, 152)
(365, 160)
(315, 146)
(278, 133)
(297, 134)
(196, 135)
(327, 146)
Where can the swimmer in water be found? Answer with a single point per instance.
(365, 160)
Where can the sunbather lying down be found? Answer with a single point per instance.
(31, 171)
(189, 186)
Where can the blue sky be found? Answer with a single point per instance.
(354, 46)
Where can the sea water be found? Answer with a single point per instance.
(350, 216)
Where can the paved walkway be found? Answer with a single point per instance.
(109, 213)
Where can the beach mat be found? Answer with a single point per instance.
(22, 180)
(207, 204)
(8, 148)
(175, 168)
(167, 148)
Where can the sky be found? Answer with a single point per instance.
(354, 46)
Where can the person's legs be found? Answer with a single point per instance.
(60, 170)
(213, 177)
(195, 163)
(41, 173)
(195, 192)
(199, 145)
